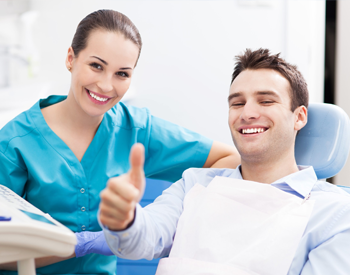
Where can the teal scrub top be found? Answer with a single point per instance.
(36, 164)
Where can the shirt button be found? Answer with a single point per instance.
(82, 190)
(119, 249)
(83, 227)
(82, 209)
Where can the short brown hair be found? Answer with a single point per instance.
(108, 20)
(263, 59)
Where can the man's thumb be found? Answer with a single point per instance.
(136, 173)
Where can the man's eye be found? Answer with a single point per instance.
(96, 66)
(237, 104)
(123, 74)
(267, 102)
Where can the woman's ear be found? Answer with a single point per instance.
(300, 117)
(70, 59)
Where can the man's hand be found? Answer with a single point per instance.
(118, 200)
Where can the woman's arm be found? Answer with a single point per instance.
(39, 262)
(222, 156)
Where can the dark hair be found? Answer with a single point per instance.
(109, 20)
(263, 59)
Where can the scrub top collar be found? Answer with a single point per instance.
(301, 182)
(57, 143)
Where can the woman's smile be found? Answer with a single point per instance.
(97, 98)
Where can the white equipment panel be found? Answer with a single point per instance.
(27, 233)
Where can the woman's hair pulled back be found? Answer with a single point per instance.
(108, 20)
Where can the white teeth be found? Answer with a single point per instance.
(252, 130)
(97, 97)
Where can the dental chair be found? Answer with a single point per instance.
(324, 143)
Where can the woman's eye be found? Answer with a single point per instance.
(96, 66)
(123, 74)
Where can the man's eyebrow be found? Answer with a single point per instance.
(238, 94)
(271, 93)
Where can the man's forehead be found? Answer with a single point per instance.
(260, 82)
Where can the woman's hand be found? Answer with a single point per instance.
(119, 199)
(91, 242)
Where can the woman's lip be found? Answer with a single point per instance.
(97, 94)
(91, 96)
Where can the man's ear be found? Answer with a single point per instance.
(300, 117)
(70, 58)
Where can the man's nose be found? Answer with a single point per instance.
(250, 111)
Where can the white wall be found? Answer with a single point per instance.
(184, 71)
(342, 84)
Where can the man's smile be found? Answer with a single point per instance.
(252, 130)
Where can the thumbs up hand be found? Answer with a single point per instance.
(119, 198)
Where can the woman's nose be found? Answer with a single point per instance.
(105, 84)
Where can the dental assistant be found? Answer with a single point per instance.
(60, 153)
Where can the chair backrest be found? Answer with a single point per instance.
(324, 142)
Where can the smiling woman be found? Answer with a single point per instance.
(60, 153)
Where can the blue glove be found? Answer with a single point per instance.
(91, 242)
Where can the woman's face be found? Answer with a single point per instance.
(101, 74)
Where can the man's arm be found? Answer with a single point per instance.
(222, 156)
(331, 257)
(134, 232)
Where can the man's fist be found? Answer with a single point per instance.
(118, 200)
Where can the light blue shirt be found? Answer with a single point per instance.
(323, 249)
(36, 164)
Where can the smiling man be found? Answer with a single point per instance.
(268, 216)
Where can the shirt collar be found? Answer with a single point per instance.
(302, 181)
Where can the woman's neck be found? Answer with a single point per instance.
(71, 114)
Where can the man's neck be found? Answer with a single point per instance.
(268, 171)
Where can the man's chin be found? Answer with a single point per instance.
(253, 155)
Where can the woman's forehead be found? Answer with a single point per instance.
(111, 46)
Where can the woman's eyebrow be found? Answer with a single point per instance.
(104, 62)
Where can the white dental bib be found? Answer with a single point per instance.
(237, 227)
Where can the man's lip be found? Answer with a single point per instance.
(240, 129)
(97, 94)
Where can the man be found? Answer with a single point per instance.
(268, 216)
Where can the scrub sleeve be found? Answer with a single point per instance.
(36, 164)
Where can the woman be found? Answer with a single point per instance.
(60, 153)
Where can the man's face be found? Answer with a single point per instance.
(262, 125)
